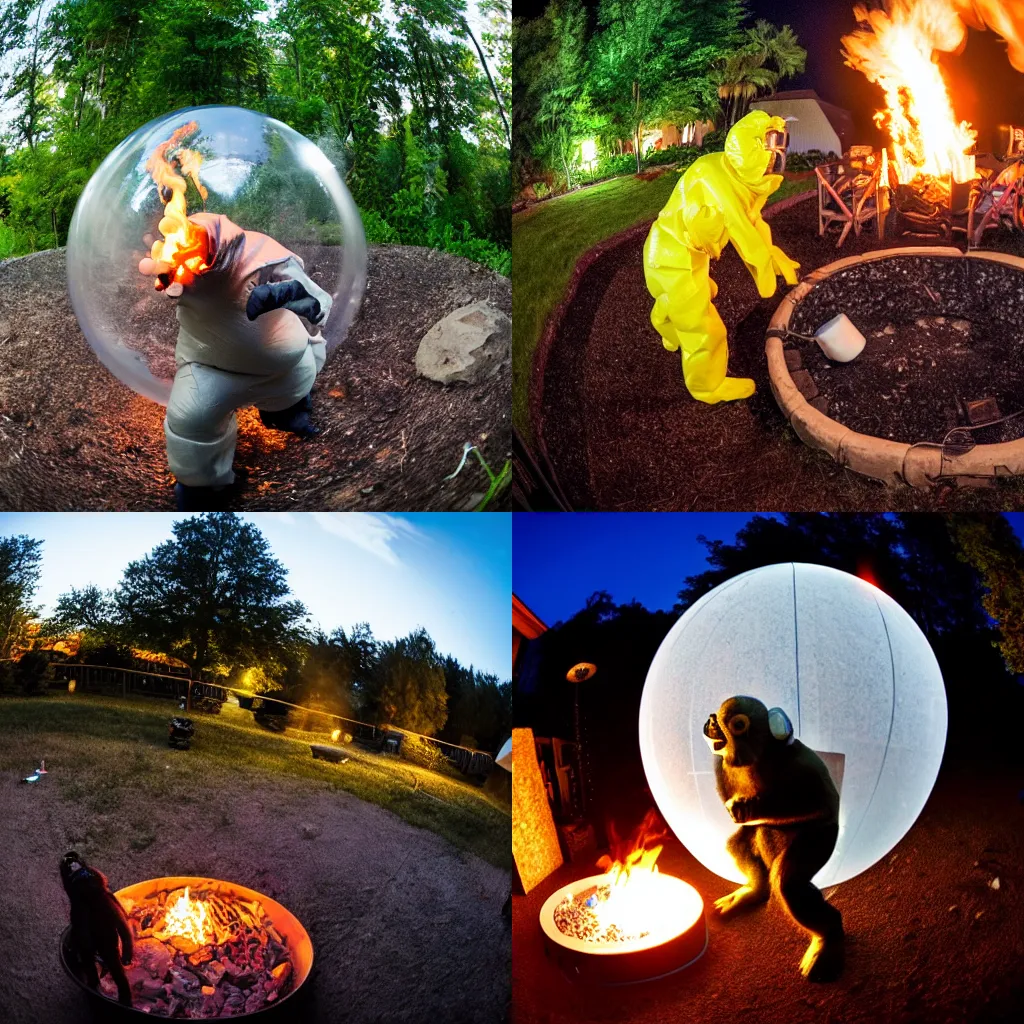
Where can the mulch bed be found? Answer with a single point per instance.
(621, 432)
(73, 438)
(911, 381)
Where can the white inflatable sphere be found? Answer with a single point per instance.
(850, 668)
(258, 172)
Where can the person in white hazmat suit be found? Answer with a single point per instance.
(241, 342)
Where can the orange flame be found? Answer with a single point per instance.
(897, 48)
(183, 247)
(637, 903)
(188, 919)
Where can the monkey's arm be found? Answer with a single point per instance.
(124, 930)
(798, 791)
(759, 811)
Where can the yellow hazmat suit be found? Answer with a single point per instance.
(719, 199)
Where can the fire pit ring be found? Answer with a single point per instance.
(287, 924)
(994, 285)
(637, 960)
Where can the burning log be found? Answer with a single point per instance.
(203, 954)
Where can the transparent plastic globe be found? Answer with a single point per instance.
(850, 668)
(261, 174)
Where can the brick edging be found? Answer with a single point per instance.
(922, 464)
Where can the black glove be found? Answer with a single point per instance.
(287, 294)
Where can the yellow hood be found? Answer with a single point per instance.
(744, 145)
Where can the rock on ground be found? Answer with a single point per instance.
(467, 346)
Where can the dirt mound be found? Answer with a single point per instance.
(73, 438)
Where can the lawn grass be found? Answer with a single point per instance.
(548, 239)
(96, 747)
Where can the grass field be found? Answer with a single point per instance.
(549, 238)
(97, 748)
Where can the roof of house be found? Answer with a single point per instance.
(525, 622)
(840, 118)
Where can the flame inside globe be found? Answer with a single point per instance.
(134, 243)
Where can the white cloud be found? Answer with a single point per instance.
(374, 532)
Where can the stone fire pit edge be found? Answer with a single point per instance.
(895, 463)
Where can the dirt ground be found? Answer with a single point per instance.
(622, 433)
(928, 937)
(405, 927)
(73, 438)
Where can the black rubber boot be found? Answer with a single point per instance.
(296, 419)
(209, 499)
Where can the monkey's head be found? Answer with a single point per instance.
(744, 730)
(78, 877)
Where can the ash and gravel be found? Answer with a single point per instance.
(575, 917)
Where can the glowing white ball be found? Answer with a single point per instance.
(848, 665)
(261, 174)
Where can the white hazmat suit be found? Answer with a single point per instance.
(227, 361)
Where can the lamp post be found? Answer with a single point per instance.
(580, 673)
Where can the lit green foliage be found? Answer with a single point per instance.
(342, 73)
(767, 55)
(989, 545)
(638, 65)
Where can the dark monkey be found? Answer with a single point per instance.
(98, 922)
(781, 795)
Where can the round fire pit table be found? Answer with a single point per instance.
(674, 941)
(962, 314)
(289, 1007)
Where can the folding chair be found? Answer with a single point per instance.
(996, 200)
(832, 183)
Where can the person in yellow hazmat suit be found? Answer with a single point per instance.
(718, 200)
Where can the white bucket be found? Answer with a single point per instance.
(839, 339)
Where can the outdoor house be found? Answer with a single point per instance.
(816, 125)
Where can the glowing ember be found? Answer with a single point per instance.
(183, 249)
(187, 918)
(336, 735)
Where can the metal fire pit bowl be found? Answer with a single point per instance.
(291, 1007)
(624, 963)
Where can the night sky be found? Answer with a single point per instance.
(986, 89)
(559, 560)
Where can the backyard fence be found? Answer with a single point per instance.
(173, 685)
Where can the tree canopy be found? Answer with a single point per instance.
(407, 99)
(20, 566)
(611, 75)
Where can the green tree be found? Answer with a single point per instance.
(20, 566)
(651, 61)
(989, 545)
(768, 55)
(408, 685)
(212, 596)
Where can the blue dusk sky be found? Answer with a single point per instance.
(449, 572)
(560, 560)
